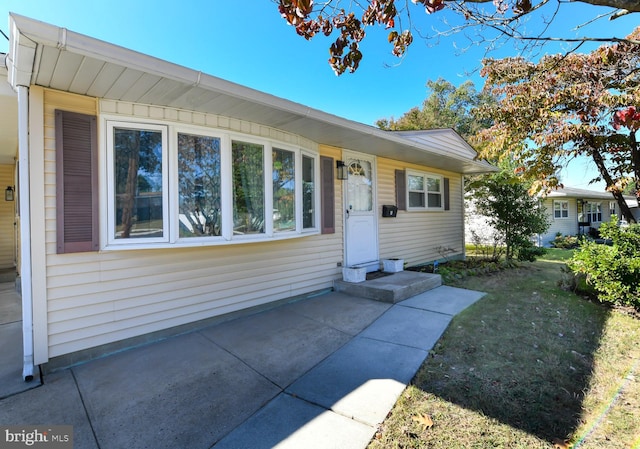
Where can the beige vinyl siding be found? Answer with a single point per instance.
(101, 297)
(7, 218)
(418, 237)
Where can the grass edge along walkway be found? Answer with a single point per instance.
(529, 366)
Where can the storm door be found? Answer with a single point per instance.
(361, 226)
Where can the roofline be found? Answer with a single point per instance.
(21, 72)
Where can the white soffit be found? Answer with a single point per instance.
(57, 58)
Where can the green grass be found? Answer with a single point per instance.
(527, 364)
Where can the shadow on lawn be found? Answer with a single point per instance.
(523, 355)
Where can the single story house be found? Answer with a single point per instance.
(150, 196)
(570, 211)
(574, 211)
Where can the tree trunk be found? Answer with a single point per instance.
(129, 202)
(617, 194)
(635, 163)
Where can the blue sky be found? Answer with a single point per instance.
(256, 48)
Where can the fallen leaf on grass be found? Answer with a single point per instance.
(561, 444)
(423, 419)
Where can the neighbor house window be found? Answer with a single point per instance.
(593, 212)
(612, 208)
(561, 209)
(178, 185)
(425, 191)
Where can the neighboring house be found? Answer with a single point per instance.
(577, 211)
(152, 196)
(570, 211)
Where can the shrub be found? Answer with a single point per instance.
(528, 252)
(565, 241)
(613, 270)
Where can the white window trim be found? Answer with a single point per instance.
(590, 213)
(170, 175)
(560, 202)
(424, 175)
(111, 207)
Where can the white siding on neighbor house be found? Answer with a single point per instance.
(419, 237)
(7, 219)
(569, 226)
(96, 298)
(566, 226)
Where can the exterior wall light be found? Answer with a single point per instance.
(8, 194)
(341, 170)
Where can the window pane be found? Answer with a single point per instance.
(416, 199)
(284, 190)
(416, 182)
(248, 188)
(433, 184)
(138, 183)
(199, 185)
(308, 193)
(434, 200)
(360, 187)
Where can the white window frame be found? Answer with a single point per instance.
(593, 209)
(170, 189)
(425, 184)
(225, 194)
(561, 209)
(111, 205)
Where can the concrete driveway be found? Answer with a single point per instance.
(316, 373)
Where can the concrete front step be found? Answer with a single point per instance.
(392, 288)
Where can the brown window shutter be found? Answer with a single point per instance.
(76, 182)
(327, 191)
(445, 191)
(401, 190)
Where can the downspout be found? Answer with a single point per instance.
(25, 231)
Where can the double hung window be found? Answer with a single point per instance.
(561, 209)
(593, 212)
(169, 185)
(425, 191)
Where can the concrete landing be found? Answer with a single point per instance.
(393, 288)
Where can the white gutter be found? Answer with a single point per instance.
(25, 231)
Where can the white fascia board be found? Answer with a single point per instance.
(50, 35)
(21, 57)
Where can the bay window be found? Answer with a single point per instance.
(139, 182)
(284, 210)
(173, 185)
(199, 186)
(248, 188)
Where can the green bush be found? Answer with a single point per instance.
(528, 252)
(612, 270)
(565, 241)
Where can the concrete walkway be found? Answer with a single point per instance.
(317, 373)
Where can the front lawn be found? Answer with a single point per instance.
(528, 366)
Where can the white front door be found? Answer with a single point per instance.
(361, 225)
